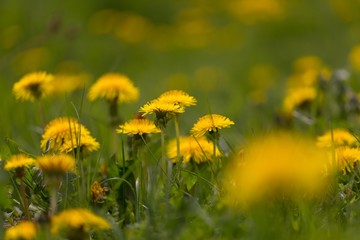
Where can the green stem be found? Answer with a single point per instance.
(24, 198)
(177, 132)
(53, 201)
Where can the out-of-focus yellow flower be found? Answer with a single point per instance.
(261, 78)
(23, 231)
(178, 97)
(346, 10)
(138, 126)
(10, 36)
(18, 161)
(192, 149)
(114, 87)
(132, 27)
(210, 123)
(296, 97)
(67, 83)
(251, 12)
(33, 86)
(81, 220)
(275, 167)
(31, 59)
(56, 164)
(306, 63)
(161, 108)
(347, 158)
(336, 138)
(354, 58)
(65, 134)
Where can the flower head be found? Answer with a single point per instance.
(177, 97)
(298, 96)
(66, 83)
(196, 149)
(354, 58)
(114, 87)
(56, 164)
(66, 134)
(276, 166)
(163, 110)
(23, 231)
(210, 123)
(33, 86)
(160, 107)
(138, 126)
(98, 193)
(336, 137)
(347, 158)
(18, 161)
(78, 219)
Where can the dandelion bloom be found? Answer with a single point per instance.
(298, 96)
(276, 166)
(114, 87)
(161, 108)
(77, 219)
(66, 83)
(177, 97)
(347, 158)
(336, 137)
(138, 126)
(354, 58)
(23, 231)
(192, 149)
(98, 193)
(66, 134)
(33, 86)
(210, 123)
(18, 161)
(56, 164)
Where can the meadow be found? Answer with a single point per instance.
(228, 119)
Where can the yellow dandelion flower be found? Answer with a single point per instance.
(33, 86)
(56, 164)
(275, 166)
(138, 126)
(161, 108)
(336, 138)
(196, 149)
(23, 231)
(297, 96)
(18, 161)
(210, 123)
(64, 134)
(98, 193)
(114, 87)
(66, 83)
(347, 158)
(77, 219)
(354, 58)
(84, 143)
(178, 97)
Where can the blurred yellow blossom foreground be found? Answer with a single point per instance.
(277, 166)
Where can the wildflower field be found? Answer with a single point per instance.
(234, 119)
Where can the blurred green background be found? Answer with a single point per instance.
(232, 55)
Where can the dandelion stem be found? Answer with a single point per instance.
(177, 132)
(24, 198)
(53, 201)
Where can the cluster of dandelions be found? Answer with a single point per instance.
(62, 140)
(66, 142)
